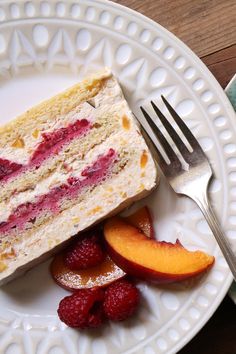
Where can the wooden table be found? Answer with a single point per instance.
(208, 27)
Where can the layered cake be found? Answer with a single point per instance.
(65, 165)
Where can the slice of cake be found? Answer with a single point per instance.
(66, 164)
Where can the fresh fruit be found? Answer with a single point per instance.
(142, 257)
(121, 300)
(85, 264)
(142, 220)
(100, 275)
(67, 272)
(85, 252)
(82, 309)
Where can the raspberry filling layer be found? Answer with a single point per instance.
(51, 144)
(51, 202)
(7, 168)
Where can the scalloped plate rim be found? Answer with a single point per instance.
(225, 102)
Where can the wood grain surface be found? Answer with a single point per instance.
(222, 64)
(208, 27)
(204, 25)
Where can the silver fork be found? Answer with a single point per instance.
(193, 181)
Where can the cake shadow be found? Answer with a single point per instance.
(33, 288)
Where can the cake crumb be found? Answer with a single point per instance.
(18, 143)
(3, 266)
(123, 194)
(126, 122)
(50, 243)
(94, 84)
(75, 220)
(94, 210)
(66, 167)
(141, 187)
(143, 159)
(9, 254)
(35, 133)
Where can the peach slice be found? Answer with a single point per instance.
(104, 273)
(143, 257)
(142, 220)
(100, 275)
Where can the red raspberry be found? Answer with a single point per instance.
(83, 309)
(85, 252)
(121, 300)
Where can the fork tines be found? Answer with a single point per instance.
(188, 156)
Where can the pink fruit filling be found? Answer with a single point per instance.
(51, 202)
(7, 168)
(51, 144)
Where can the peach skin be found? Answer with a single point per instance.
(146, 258)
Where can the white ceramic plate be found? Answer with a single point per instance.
(45, 46)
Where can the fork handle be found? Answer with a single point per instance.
(217, 231)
